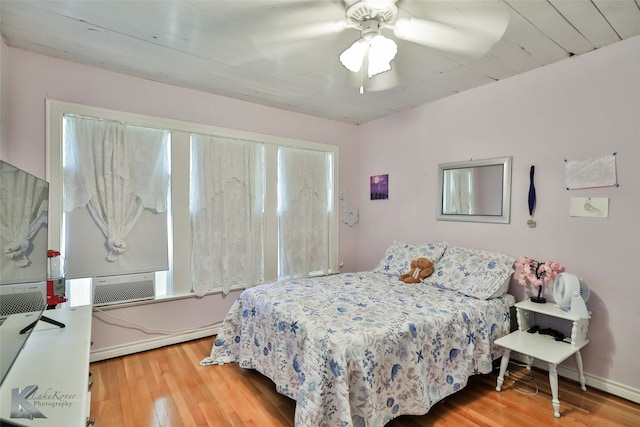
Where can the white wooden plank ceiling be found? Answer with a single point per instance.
(250, 50)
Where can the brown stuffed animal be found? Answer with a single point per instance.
(420, 268)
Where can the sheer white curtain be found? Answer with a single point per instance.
(227, 213)
(304, 206)
(23, 210)
(116, 170)
(458, 199)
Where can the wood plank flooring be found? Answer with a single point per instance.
(167, 387)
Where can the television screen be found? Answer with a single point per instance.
(24, 200)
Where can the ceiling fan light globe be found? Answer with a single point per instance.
(381, 52)
(377, 68)
(353, 56)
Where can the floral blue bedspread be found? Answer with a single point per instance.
(359, 349)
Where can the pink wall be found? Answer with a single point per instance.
(33, 78)
(583, 107)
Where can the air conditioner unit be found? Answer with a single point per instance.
(122, 289)
(22, 298)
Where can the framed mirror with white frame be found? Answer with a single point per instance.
(475, 190)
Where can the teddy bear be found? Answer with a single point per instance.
(420, 268)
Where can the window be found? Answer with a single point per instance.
(115, 199)
(226, 211)
(305, 205)
(116, 186)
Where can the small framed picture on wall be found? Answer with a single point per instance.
(380, 187)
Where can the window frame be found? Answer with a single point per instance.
(180, 252)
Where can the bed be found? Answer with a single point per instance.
(359, 349)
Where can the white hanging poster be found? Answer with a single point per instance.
(589, 206)
(598, 172)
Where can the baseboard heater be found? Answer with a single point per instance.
(123, 289)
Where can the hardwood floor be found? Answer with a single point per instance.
(168, 388)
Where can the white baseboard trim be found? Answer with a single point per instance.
(604, 384)
(153, 343)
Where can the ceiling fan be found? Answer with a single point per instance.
(471, 34)
(460, 34)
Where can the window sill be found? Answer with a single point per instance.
(158, 299)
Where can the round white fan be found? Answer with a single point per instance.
(571, 293)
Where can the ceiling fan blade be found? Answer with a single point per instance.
(472, 35)
(288, 41)
(286, 27)
(293, 21)
(303, 32)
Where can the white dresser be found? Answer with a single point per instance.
(49, 383)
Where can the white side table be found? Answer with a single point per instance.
(544, 347)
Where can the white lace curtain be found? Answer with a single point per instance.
(458, 194)
(227, 213)
(23, 210)
(116, 170)
(304, 208)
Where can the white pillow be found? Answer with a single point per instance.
(397, 258)
(453, 250)
(473, 276)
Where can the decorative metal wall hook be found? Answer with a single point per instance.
(349, 214)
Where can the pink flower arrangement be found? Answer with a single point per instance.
(537, 273)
